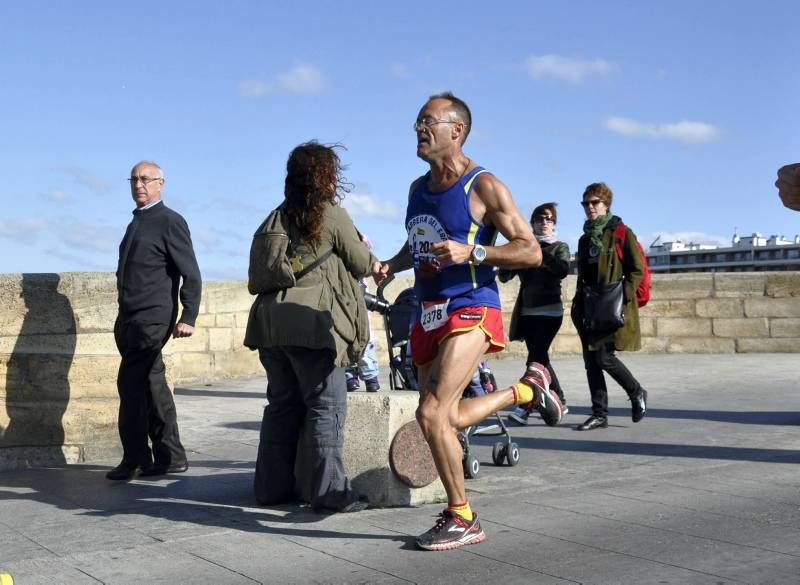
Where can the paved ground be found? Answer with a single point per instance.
(706, 490)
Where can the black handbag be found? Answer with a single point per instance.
(603, 307)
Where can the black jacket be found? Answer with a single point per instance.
(155, 253)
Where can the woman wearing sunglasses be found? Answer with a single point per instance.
(599, 264)
(539, 312)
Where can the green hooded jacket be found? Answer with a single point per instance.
(325, 309)
(611, 269)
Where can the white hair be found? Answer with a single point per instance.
(150, 163)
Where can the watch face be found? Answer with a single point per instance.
(479, 253)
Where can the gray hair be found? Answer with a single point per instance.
(150, 163)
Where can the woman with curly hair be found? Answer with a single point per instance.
(307, 333)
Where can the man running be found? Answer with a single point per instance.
(454, 214)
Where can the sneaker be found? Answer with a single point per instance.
(520, 415)
(544, 400)
(353, 384)
(451, 531)
(373, 385)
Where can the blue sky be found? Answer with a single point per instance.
(686, 109)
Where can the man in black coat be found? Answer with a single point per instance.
(154, 256)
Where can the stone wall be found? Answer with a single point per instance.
(58, 360)
(703, 312)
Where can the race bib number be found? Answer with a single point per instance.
(434, 315)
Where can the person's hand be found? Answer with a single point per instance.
(788, 185)
(182, 330)
(380, 271)
(451, 252)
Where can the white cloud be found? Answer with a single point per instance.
(22, 230)
(88, 179)
(90, 237)
(58, 196)
(567, 68)
(369, 205)
(685, 131)
(301, 79)
(401, 70)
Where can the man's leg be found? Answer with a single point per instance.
(168, 452)
(132, 384)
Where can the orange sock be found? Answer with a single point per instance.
(522, 393)
(462, 510)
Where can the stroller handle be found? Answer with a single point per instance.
(386, 282)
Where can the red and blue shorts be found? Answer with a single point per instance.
(425, 344)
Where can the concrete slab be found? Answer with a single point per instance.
(704, 491)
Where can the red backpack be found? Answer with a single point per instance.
(643, 291)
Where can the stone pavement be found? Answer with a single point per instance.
(705, 490)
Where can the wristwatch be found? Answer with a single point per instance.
(478, 254)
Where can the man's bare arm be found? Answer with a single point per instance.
(492, 204)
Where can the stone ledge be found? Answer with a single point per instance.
(372, 421)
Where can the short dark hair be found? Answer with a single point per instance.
(540, 209)
(459, 107)
(601, 191)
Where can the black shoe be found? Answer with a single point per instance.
(122, 472)
(593, 422)
(161, 469)
(639, 405)
(361, 502)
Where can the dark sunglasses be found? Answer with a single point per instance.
(592, 202)
(545, 218)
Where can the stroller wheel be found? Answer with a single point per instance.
(512, 454)
(472, 467)
(499, 452)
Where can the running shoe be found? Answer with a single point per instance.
(545, 401)
(451, 531)
(520, 415)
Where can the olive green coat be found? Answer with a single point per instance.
(611, 269)
(325, 310)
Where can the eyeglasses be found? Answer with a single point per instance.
(145, 180)
(592, 202)
(545, 219)
(428, 121)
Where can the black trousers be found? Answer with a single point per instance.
(605, 360)
(305, 390)
(539, 332)
(146, 406)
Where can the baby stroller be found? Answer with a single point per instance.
(397, 319)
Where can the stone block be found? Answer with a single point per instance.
(513, 350)
(768, 345)
(226, 320)
(783, 284)
(205, 320)
(238, 338)
(739, 284)
(95, 314)
(677, 308)
(757, 327)
(568, 286)
(229, 297)
(682, 286)
(194, 365)
(96, 344)
(784, 328)
(769, 307)
(240, 319)
(654, 345)
(719, 308)
(567, 344)
(220, 339)
(700, 345)
(647, 326)
(372, 421)
(237, 363)
(197, 342)
(683, 327)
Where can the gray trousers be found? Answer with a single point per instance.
(304, 389)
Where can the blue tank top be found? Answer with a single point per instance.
(435, 217)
